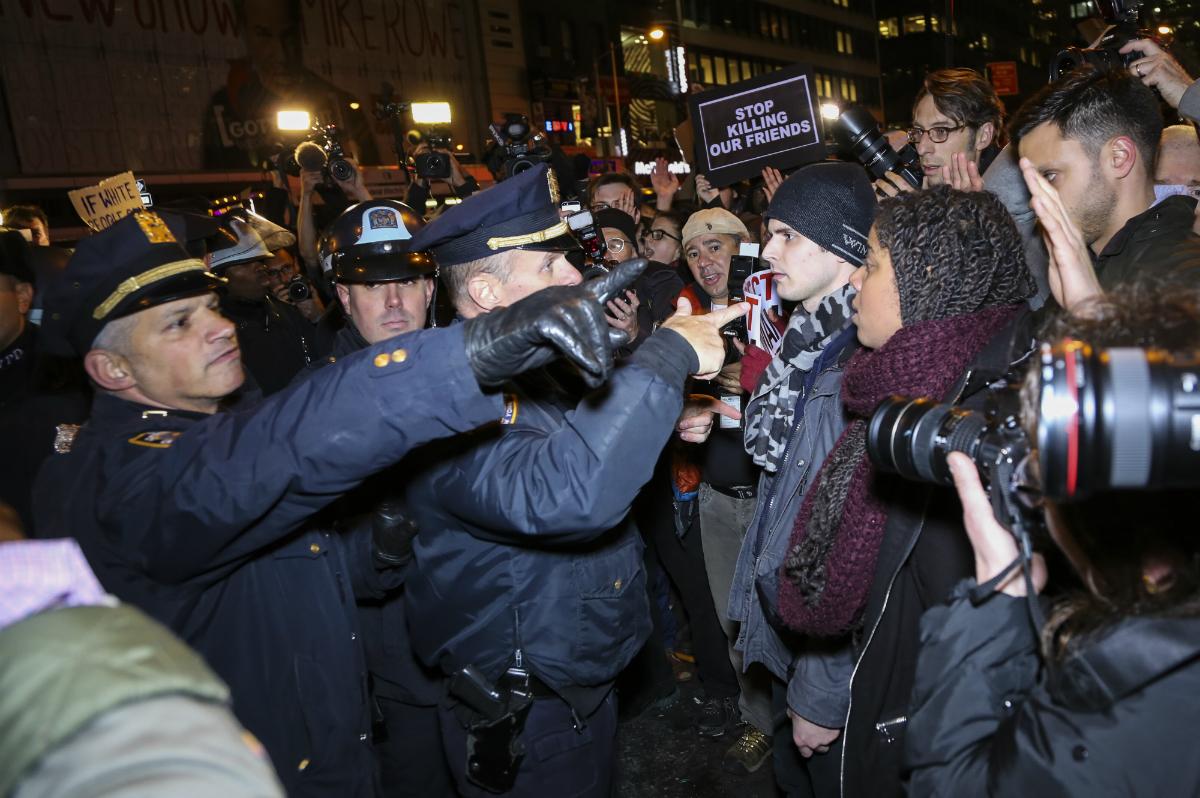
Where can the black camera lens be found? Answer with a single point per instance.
(858, 133)
(432, 165)
(913, 437)
(298, 289)
(1122, 418)
(341, 169)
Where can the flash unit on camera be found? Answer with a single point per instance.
(431, 113)
(293, 120)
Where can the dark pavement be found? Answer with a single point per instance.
(659, 755)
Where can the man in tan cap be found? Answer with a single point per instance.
(710, 238)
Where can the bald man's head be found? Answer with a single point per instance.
(1178, 157)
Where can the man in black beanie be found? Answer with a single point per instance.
(818, 222)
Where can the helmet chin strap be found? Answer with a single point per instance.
(431, 308)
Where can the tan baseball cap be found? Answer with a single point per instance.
(713, 220)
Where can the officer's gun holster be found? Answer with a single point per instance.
(494, 750)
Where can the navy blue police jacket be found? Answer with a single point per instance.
(198, 520)
(525, 552)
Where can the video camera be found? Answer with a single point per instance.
(517, 147)
(1122, 19)
(320, 151)
(1113, 419)
(857, 132)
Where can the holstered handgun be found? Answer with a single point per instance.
(494, 752)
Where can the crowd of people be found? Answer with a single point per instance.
(397, 506)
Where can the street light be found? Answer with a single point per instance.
(656, 34)
(1165, 30)
(830, 111)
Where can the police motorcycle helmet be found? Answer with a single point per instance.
(371, 242)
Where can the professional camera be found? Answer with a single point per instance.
(857, 133)
(517, 147)
(432, 165)
(1122, 17)
(1110, 419)
(583, 227)
(322, 151)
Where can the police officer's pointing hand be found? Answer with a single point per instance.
(561, 320)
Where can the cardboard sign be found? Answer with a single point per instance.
(111, 200)
(759, 291)
(769, 120)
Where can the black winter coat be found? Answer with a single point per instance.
(924, 554)
(1118, 717)
(525, 552)
(196, 519)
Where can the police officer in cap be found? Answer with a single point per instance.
(527, 586)
(198, 516)
(385, 288)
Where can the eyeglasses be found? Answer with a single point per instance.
(658, 235)
(937, 134)
(615, 245)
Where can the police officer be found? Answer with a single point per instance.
(385, 289)
(195, 515)
(527, 586)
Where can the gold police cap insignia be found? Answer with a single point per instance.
(154, 227)
(552, 181)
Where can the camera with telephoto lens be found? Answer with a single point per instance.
(1107, 419)
(517, 147)
(431, 164)
(857, 133)
(1122, 19)
(321, 152)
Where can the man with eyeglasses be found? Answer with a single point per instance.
(956, 126)
(652, 300)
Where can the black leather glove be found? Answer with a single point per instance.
(560, 320)
(392, 534)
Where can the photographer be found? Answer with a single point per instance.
(462, 184)
(280, 275)
(1159, 70)
(1093, 135)
(956, 130)
(1099, 704)
(307, 227)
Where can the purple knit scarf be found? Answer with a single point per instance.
(835, 542)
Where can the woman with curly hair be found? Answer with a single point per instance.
(940, 313)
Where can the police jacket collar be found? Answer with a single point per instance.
(110, 410)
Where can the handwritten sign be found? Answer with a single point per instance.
(769, 120)
(110, 201)
(759, 291)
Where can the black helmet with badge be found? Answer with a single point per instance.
(135, 264)
(371, 242)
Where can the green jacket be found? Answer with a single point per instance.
(61, 669)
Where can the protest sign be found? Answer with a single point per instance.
(101, 205)
(769, 120)
(759, 291)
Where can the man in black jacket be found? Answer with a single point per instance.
(1093, 136)
(199, 517)
(527, 586)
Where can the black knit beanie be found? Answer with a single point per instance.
(618, 220)
(830, 203)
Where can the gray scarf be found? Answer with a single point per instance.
(769, 422)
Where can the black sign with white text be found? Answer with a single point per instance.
(769, 120)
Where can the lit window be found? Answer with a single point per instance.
(719, 68)
(706, 69)
(985, 41)
(889, 28)
(845, 44)
(935, 24)
(914, 23)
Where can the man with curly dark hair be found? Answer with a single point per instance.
(941, 311)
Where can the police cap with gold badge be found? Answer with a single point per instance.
(518, 213)
(135, 264)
